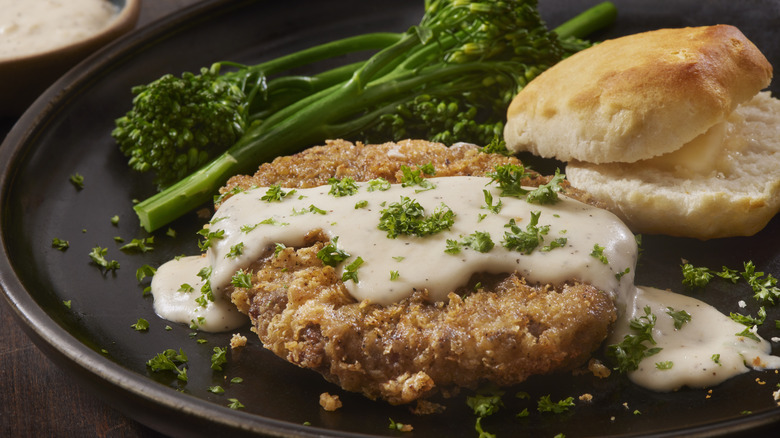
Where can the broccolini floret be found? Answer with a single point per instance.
(448, 79)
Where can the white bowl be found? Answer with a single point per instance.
(25, 77)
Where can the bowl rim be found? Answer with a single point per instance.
(124, 20)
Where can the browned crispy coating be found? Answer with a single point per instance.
(496, 328)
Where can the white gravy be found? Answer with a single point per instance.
(693, 349)
(421, 262)
(34, 26)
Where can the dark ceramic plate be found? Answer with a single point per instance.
(67, 131)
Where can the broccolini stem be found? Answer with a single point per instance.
(377, 40)
(588, 21)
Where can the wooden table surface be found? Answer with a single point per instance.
(38, 399)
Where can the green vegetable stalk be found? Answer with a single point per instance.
(448, 79)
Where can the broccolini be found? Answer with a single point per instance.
(448, 79)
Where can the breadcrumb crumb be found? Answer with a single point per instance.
(237, 341)
(329, 402)
(586, 397)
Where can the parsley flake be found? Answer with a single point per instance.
(218, 358)
(141, 325)
(331, 255)
(547, 193)
(342, 187)
(631, 350)
(98, 256)
(598, 252)
(77, 180)
(235, 404)
(509, 178)
(546, 405)
(275, 193)
(242, 279)
(679, 317)
(408, 217)
(350, 271)
(414, 177)
(380, 184)
(60, 244)
(525, 241)
(170, 360)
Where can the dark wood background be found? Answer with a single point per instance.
(38, 399)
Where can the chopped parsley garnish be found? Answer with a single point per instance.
(547, 193)
(694, 277)
(489, 203)
(115, 220)
(216, 389)
(484, 404)
(343, 187)
(234, 191)
(525, 241)
(209, 237)
(394, 275)
(401, 427)
(546, 405)
(60, 244)
(679, 317)
(350, 271)
(67, 303)
(487, 404)
(311, 209)
(380, 184)
(186, 288)
(236, 380)
(620, 274)
(408, 217)
(764, 286)
(478, 241)
(748, 333)
(276, 194)
(331, 255)
(665, 365)
(206, 293)
(235, 251)
(279, 247)
(98, 256)
(414, 177)
(143, 272)
(749, 320)
(361, 204)
(598, 253)
(631, 350)
(557, 243)
(509, 178)
(497, 146)
(139, 245)
(170, 360)
(242, 278)
(716, 358)
(218, 358)
(141, 325)
(235, 404)
(77, 180)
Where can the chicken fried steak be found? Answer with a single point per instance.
(497, 328)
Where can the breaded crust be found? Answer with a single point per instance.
(638, 96)
(501, 331)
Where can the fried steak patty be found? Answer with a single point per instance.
(497, 328)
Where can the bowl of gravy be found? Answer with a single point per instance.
(41, 39)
